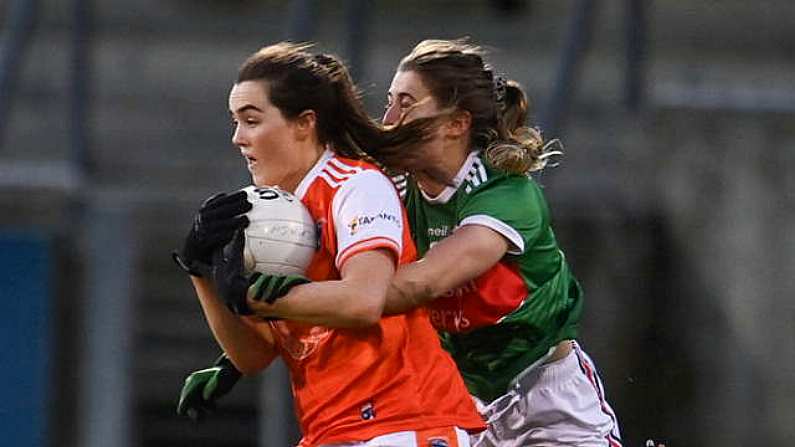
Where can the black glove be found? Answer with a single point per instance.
(202, 388)
(270, 288)
(213, 226)
(233, 284)
(229, 276)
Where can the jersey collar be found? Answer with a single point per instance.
(300, 191)
(448, 191)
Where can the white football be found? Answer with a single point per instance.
(281, 237)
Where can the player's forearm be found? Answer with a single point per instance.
(242, 344)
(412, 286)
(356, 300)
(454, 261)
(329, 303)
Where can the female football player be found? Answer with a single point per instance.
(357, 378)
(498, 287)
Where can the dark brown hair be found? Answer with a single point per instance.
(459, 79)
(297, 80)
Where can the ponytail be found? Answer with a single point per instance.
(458, 78)
(514, 147)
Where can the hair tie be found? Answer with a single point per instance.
(500, 83)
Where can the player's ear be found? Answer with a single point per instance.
(459, 124)
(305, 124)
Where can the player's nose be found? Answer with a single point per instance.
(237, 137)
(391, 115)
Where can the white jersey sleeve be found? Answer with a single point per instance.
(367, 215)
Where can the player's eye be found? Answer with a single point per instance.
(248, 121)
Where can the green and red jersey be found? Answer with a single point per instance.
(500, 323)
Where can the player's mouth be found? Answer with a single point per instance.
(250, 161)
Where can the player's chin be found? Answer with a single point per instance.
(260, 176)
(257, 179)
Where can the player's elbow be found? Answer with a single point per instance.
(367, 312)
(367, 316)
(249, 365)
(419, 290)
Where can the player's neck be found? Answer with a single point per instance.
(306, 163)
(446, 168)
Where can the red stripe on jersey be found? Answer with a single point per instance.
(333, 176)
(337, 166)
(368, 244)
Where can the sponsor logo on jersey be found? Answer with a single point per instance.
(359, 222)
(353, 226)
(367, 411)
(453, 317)
(449, 319)
(438, 442)
(469, 287)
(442, 231)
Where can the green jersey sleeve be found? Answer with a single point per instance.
(510, 205)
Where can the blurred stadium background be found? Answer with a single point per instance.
(674, 200)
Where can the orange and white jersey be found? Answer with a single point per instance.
(356, 384)
(356, 208)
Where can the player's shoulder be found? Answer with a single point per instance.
(338, 171)
(483, 178)
(356, 177)
(352, 164)
(502, 194)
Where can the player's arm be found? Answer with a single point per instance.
(246, 345)
(368, 225)
(218, 219)
(466, 254)
(355, 300)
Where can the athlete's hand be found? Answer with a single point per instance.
(229, 276)
(269, 288)
(213, 226)
(234, 286)
(202, 388)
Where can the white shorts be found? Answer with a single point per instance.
(438, 437)
(555, 404)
